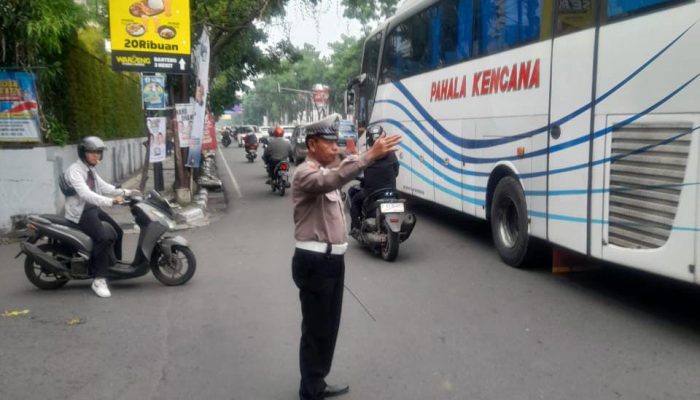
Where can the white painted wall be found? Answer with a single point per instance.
(28, 177)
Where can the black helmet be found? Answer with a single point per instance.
(90, 143)
(373, 133)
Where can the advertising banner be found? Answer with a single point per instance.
(157, 130)
(184, 117)
(150, 35)
(209, 140)
(153, 92)
(19, 108)
(201, 55)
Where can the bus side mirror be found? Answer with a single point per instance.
(349, 102)
(358, 80)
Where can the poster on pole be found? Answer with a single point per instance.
(153, 91)
(150, 35)
(184, 115)
(201, 56)
(156, 130)
(19, 108)
(209, 140)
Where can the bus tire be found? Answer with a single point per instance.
(509, 222)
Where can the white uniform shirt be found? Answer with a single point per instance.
(76, 175)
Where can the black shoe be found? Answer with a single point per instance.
(335, 390)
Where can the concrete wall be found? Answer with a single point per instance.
(28, 177)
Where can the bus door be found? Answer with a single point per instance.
(648, 207)
(573, 57)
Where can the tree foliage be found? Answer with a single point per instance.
(369, 10)
(288, 105)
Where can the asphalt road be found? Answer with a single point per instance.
(447, 320)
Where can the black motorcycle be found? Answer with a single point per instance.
(59, 251)
(226, 139)
(384, 222)
(280, 178)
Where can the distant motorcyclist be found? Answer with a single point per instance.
(379, 175)
(277, 150)
(83, 208)
(251, 140)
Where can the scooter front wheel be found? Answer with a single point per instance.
(176, 269)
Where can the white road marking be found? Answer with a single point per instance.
(230, 174)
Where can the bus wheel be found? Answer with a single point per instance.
(509, 225)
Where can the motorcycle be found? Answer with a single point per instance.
(384, 221)
(251, 152)
(226, 140)
(280, 178)
(58, 251)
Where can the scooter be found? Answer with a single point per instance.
(384, 222)
(58, 251)
(251, 152)
(280, 178)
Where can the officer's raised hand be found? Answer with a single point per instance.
(383, 146)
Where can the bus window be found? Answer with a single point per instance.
(456, 34)
(623, 8)
(408, 49)
(575, 15)
(508, 23)
(370, 59)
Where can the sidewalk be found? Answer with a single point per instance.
(205, 206)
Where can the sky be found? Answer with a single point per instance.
(317, 25)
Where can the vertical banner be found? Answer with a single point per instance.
(201, 63)
(184, 116)
(19, 108)
(157, 130)
(153, 91)
(209, 140)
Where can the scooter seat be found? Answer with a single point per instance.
(57, 219)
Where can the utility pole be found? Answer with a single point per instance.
(308, 93)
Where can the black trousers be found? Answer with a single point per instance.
(356, 200)
(103, 242)
(319, 278)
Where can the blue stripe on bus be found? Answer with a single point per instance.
(552, 149)
(567, 192)
(482, 143)
(538, 174)
(531, 213)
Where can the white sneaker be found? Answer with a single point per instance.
(99, 286)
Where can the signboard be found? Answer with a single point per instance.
(19, 108)
(153, 91)
(150, 35)
(157, 131)
(201, 55)
(184, 115)
(321, 94)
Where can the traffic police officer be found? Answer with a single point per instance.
(318, 265)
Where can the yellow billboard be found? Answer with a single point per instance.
(150, 35)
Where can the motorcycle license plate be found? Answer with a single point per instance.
(391, 207)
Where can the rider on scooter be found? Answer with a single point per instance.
(278, 149)
(379, 175)
(83, 208)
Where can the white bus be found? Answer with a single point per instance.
(573, 121)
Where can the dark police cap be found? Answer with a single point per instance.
(326, 128)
